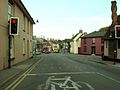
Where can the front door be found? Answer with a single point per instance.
(93, 48)
(112, 47)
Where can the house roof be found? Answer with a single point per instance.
(74, 36)
(77, 36)
(95, 34)
(23, 9)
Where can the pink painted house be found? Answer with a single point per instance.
(92, 44)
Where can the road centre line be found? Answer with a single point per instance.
(61, 73)
(14, 84)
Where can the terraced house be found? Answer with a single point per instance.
(15, 48)
(92, 43)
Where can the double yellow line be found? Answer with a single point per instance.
(14, 84)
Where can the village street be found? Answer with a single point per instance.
(59, 45)
(67, 72)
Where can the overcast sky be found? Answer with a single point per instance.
(60, 19)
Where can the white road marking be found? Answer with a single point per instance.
(74, 73)
(74, 85)
(88, 85)
(63, 83)
(109, 78)
(61, 73)
(53, 87)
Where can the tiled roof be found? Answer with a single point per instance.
(95, 34)
(78, 35)
(74, 36)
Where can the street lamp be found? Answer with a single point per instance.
(36, 21)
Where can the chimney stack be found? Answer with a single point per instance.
(114, 12)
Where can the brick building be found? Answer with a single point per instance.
(92, 43)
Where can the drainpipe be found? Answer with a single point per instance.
(9, 59)
(9, 46)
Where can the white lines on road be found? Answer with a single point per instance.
(16, 82)
(88, 85)
(61, 73)
(109, 77)
(64, 83)
(75, 73)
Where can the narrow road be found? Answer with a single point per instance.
(69, 72)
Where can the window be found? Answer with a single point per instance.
(23, 46)
(106, 43)
(93, 40)
(9, 11)
(119, 44)
(31, 29)
(102, 49)
(24, 25)
(102, 41)
(30, 46)
(28, 27)
(85, 40)
(27, 22)
(85, 49)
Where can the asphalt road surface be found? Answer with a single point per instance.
(68, 72)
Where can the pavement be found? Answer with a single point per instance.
(7, 74)
(106, 62)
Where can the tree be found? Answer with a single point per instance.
(103, 29)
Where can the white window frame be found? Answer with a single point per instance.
(23, 46)
(93, 40)
(9, 11)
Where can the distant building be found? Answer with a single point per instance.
(92, 44)
(76, 43)
(20, 46)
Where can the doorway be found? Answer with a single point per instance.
(93, 50)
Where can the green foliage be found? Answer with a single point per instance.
(103, 29)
